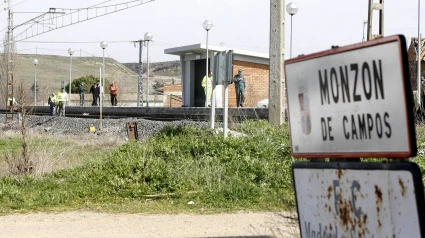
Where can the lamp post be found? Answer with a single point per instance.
(70, 52)
(148, 37)
(292, 9)
(35, 62)
(103, 45)
(208, 25)
(419, 54)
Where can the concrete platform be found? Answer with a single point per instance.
(161, 113)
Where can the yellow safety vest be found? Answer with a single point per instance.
(11, 100)
(53, 99)
(62, 97)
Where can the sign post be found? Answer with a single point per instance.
(223, 75)
(355, 102)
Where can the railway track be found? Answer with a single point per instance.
(155, 113)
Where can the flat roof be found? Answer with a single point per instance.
(201, 48)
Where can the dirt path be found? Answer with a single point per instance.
(89, 224)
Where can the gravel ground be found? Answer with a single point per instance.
(53, 125)
(89, 224)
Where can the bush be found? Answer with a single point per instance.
(88, 81)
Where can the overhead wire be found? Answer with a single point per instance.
(38, 48)
(19, 3)
(4, 29)
(73, 42)
(100, 3)
(71, 11)
(75, 10)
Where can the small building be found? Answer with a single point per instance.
(172, 95)
(412, 55)
(255, 68)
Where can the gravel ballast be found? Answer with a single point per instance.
(53, 125)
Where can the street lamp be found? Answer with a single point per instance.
(71, 52)
(35, 62)
(208, 25)
(148, 37)
(292, 9)
(419, 54)
(103, 45)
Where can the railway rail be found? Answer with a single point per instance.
(155, 113)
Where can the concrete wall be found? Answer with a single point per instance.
(173, 95)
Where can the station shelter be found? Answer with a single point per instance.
(255, 68)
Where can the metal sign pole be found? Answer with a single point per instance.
(226, 105)
(100, 90)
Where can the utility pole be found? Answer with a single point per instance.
(9, 85)
(380, 7)
(277, 58)
(68, 17)
(140, 78)
(364, 25)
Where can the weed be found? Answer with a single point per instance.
(185, 164)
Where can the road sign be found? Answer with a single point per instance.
(353, 101)
(223, 69)
(359, 199)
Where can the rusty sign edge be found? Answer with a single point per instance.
(411, 167)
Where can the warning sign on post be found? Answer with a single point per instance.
(353, 101)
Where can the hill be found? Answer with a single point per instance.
(167, 68)
(161, 72)
(53, 69)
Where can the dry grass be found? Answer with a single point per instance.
(51, 153)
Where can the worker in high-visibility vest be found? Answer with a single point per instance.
(14, 107)
(210, 86)
(61, 98)
(52, 103)
(12, 102)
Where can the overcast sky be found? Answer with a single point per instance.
(238, 24)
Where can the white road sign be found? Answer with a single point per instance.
(372, 200)
(354, 101)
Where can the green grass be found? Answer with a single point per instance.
(217, 174)
(165, 172)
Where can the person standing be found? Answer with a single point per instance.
(204, 85)
(81, 91)
(239, 80)
(52, 103)
(98, 93)
(94, 93)
(12, 103)
(113, 90)
(62, 99)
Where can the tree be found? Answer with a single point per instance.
(88, 80)
(157, 85)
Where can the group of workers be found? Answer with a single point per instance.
(95, 92)
(240, 87)
(57, 103)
